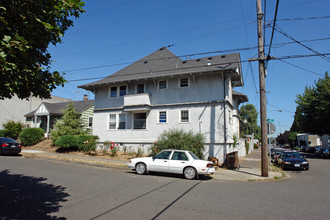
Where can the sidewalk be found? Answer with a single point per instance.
(249, 166)
(250, 170)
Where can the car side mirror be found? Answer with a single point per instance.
(153, 157)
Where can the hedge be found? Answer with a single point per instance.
(31, 136)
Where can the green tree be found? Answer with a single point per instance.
(13, 129)
(69, 124)
(249, 113)
(313, 110)
(27, 27)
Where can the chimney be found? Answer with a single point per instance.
(85, 98)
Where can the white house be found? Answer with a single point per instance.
(161, 91)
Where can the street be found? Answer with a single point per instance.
(40, 189)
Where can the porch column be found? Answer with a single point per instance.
(48, 122)
(35, 121)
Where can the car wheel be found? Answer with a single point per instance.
(141, 168)
(190, 173)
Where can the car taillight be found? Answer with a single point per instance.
(5, 145)
(210, 165)
(19, 146)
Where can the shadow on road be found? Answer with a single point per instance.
(179, 176)
(314, 156)
(27, 197)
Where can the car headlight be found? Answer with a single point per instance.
(285, 162)
(306, 162)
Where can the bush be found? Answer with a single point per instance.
(181, 140)
(2, 133)
(13, 129)
(87, 143)
(31, 136)
(68, 141)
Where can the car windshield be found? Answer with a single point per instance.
(193, 156)
(294, 155)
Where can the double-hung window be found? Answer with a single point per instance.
(113, 91)
(90, 122)
(162, 84)
(162, 117)
(122, 121)
(140, 88)
(184, 117)
(112, 121)
(122, 90)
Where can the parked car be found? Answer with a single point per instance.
(302, 149)
(319, 151)
(275, 155)
(326, 152)
(173, 161)
(310, 149)
(9, 146)
(293, 160)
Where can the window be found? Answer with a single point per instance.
(90, 122)
(163, 155)
(112, 121)
(184, 82)
(184, 116)
(162, 117)
(122, 121)
(179, 156)
(140, 88)
(122, 90)
(162, 84)
(113, 91)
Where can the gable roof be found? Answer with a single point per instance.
(243, 98)
(58, 108)
(163, 63)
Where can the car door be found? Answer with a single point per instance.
(178, 162)
(160, 162)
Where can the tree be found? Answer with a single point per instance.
(313, 110)
(283, 138)
(27, 27)
(249, 113)
(69, 124)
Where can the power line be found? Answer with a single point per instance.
(298, 42)
(301, 68)
(271, 39)
(301, 19)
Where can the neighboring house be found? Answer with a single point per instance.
(159, 92)
(46, 115)
(313, 140)
(14, 109)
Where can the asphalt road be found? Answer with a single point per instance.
(40, 189)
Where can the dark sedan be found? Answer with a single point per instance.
(293, 160)
(9, 146)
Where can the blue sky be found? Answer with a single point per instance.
(112, 33)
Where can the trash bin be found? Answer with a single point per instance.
(232, 160)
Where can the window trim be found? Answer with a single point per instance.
(179, 82)
(166, 84)
(90, 126)
(158, 118)
(126, 89)
(180, 116)
(117, 126)
(109, 117)
(110, 94)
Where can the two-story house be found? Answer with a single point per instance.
(161, 91)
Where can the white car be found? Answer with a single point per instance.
(172, 161)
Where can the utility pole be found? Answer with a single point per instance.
(263, 110)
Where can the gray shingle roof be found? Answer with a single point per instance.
(58, 108)
(242, 96)
(163, 63)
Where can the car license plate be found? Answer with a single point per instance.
(297, 165)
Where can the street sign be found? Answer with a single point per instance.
(270, 120)
(271, 128)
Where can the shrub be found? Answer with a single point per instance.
(2, 133)
(139, 152)
(68, 141)
(13, 129)
(247, 147)
(179, 139)
(255, 146)
(87, 143)
(31, 136)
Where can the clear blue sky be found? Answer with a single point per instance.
(116, 32)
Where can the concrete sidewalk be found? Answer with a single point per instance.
(250, 170)
(249, 166)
